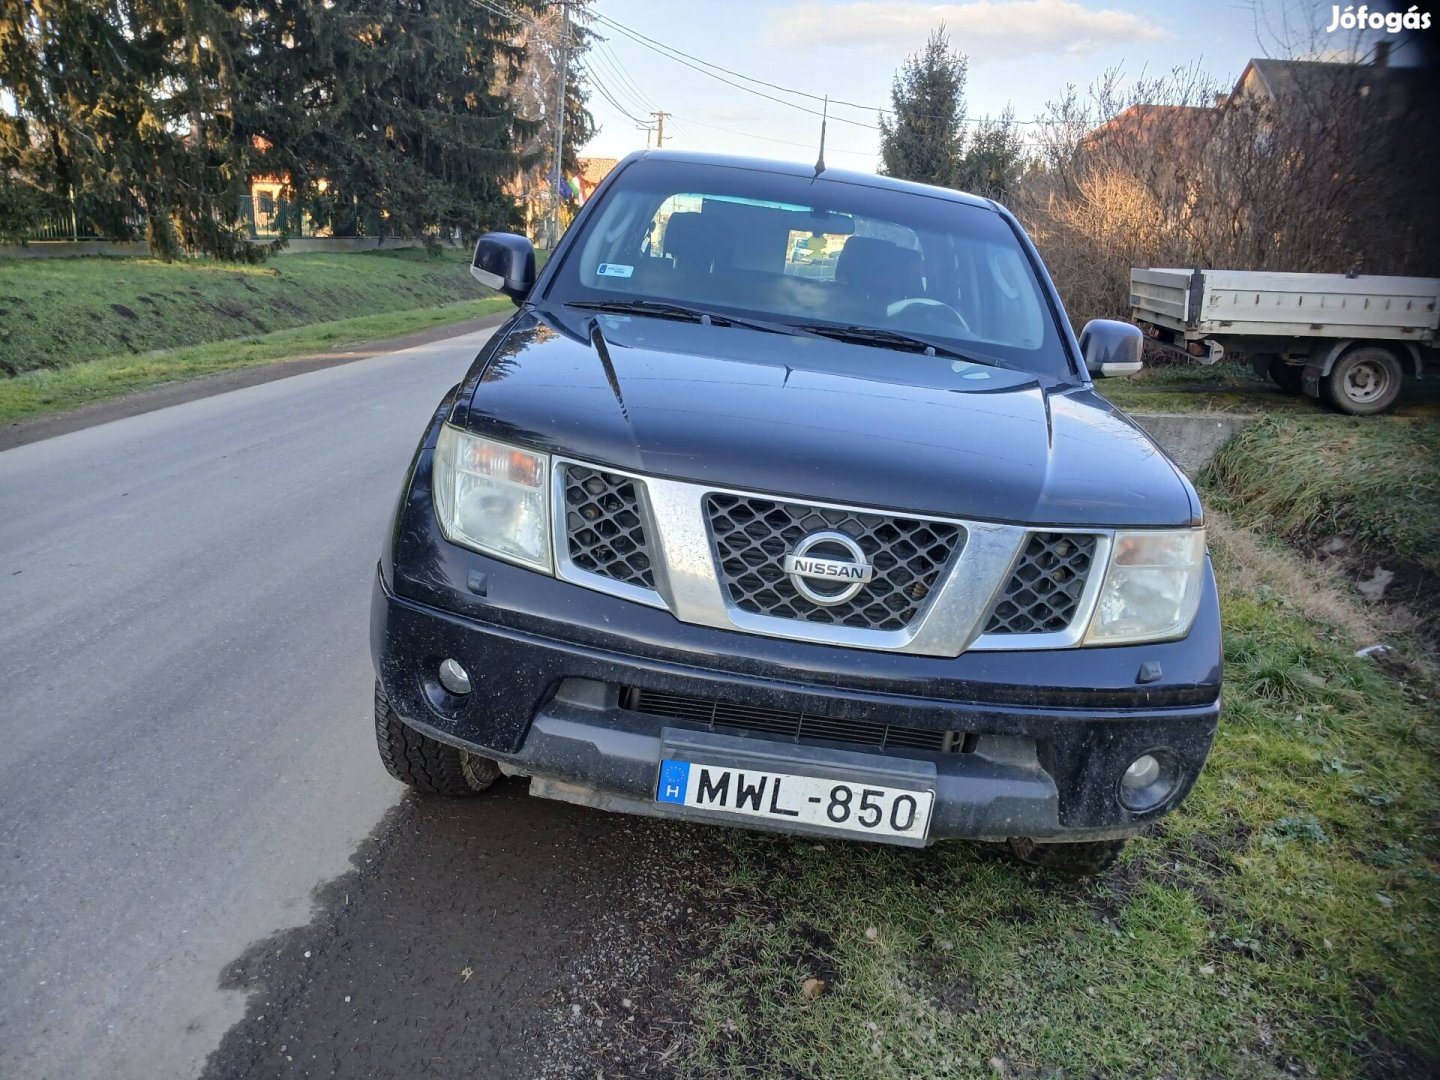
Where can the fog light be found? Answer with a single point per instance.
(1149, 782)
(1143, 772)
(455, 678)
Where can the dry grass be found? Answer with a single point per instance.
(1251, 566)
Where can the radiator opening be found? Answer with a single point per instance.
(799, 727)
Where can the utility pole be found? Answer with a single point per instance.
(648, 129)
(659, 130)
(562, 77)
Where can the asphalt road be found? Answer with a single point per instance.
(202, 864)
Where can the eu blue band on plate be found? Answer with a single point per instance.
(674, 780)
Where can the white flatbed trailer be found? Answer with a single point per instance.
(1347, 340)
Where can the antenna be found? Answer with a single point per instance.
(824, 117)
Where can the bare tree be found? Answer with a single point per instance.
(1305, 166)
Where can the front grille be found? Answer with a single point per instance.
(753, 535)
(604, 531)
(1044, 591)
(799, 727)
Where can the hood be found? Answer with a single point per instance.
(820, 419)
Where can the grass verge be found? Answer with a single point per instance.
(1284, 921)
(40, 392)
(1232, 387)
(1375, 481)
(55, 313)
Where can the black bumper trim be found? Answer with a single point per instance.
(517, 674)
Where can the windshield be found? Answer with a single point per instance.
(814, 252)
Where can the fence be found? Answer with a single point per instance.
(263, 216)
(269, 218)
(59, 233)
(73, 225)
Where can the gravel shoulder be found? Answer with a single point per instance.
(496, 936)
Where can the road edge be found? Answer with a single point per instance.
(40, 428)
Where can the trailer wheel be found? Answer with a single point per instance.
(1285, 376)
(1364, 381)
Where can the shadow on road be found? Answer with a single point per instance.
(460, 934)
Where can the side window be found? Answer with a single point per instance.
(1018, 319)
(994, 294)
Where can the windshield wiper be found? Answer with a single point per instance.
(661, 310)
(875, 335)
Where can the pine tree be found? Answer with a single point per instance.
(390, 117)
(924, 137)
(994, 158)
(115, 118)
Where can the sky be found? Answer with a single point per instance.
(1022, 53)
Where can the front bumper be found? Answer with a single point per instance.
(1042, 763)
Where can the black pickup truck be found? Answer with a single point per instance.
(786, 500)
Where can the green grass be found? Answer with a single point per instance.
(1285, 918)
(1375, 481)
(55, 313)
(1232, 387)
(39, 392)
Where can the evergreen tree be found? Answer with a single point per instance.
(923, 139)
(388, 116)
(994, 158)
(113, 118)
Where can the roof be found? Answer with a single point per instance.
(1180, 125)
(1324, 82)
(790, 168)
(595, 169)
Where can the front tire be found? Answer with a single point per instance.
(1364, 381)
(425, 764)
(1082, 858)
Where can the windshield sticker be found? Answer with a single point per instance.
(614, 270)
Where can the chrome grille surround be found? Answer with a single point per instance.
(752, 536)
(687, 582)
(604, 532)
(1044, 590)
(580, 565)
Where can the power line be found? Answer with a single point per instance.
(633, 102)
(657, 46)
(504, 13)
(689, 60)
(624, 85)
(769, 138)
(686, 61)
(603, 47)
(679, 56)
(605, 93)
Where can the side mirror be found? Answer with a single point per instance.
(1111, 348)
(505, 262)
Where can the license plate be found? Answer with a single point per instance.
(784, 798)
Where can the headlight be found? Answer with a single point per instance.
(493, 498)
(1151, 589)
